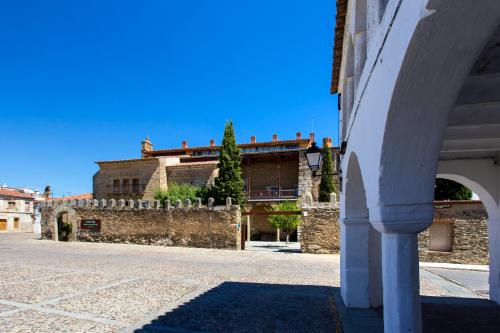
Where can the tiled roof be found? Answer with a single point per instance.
(82, 196)
(338, 44)
(128, 161)
(16, 193)
(160, 152)
(203, 163)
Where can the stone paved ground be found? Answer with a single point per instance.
(86, 287)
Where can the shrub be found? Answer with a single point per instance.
(176, 192)
(184, 192)
(449, 190)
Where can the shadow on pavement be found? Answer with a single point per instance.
(252, 307)
(454, 314)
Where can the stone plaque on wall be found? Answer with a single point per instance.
(90, 225)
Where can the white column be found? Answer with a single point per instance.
(360, 267)
(494, 251)
(402, 308)
(248, 228)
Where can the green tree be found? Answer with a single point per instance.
(449, 190)
(229, 182)
(285, 223)
(327, 184)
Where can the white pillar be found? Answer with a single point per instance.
(360, 268)
(494, 252)
(402, 308)
(248, 228)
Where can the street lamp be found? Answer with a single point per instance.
(313, 156)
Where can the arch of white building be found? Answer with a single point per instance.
(420, 56)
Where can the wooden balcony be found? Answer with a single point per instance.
(273, 194)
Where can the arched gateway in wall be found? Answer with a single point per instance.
(55, 219)
(426, 104)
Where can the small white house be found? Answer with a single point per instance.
(18, 210)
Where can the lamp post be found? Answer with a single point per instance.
(314, 155)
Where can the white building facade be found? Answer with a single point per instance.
(18, 210)
(420, 98)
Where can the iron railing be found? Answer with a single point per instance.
(272, 194)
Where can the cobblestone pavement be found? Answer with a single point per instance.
(47, 286)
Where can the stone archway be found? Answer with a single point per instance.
(71, 217)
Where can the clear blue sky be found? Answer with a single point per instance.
(82, 81)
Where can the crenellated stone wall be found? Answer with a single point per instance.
(146, 222)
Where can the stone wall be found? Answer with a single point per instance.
(320, 229)
(192, 226)
(467, 221)
(197, 175)
(150, 172)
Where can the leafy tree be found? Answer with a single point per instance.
(229, 182)
(449, 190)
(285, 222)
(327, 185)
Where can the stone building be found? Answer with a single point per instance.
(17, 210)
(273, 171)
(420, 96)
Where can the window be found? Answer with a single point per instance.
(126, 185)
(11, 205)
(135, 186)
(116, 186)
(27, 206)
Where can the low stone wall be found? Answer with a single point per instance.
(466, 223)
(146, 223)
(319, 229)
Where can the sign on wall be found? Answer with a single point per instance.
(90, 225)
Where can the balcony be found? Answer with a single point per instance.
(125, 189)
(272, 194)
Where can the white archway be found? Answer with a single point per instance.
(360, 254)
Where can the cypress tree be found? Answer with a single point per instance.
(327, 184)
(229, 182)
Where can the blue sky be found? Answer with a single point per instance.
(82, 81)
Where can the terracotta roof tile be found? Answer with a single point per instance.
(16, 193)
(82, 196)
(338, 44)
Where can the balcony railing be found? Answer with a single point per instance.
(126, 189)
(272, 194)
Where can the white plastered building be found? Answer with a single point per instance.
(420, 98)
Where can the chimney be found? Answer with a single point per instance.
(146, 146)
(327, 142)
(47, 193)
(275, 137)
(299, 136)
(253, 139)
(184, 144)
(311, 137)
(212, 143)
